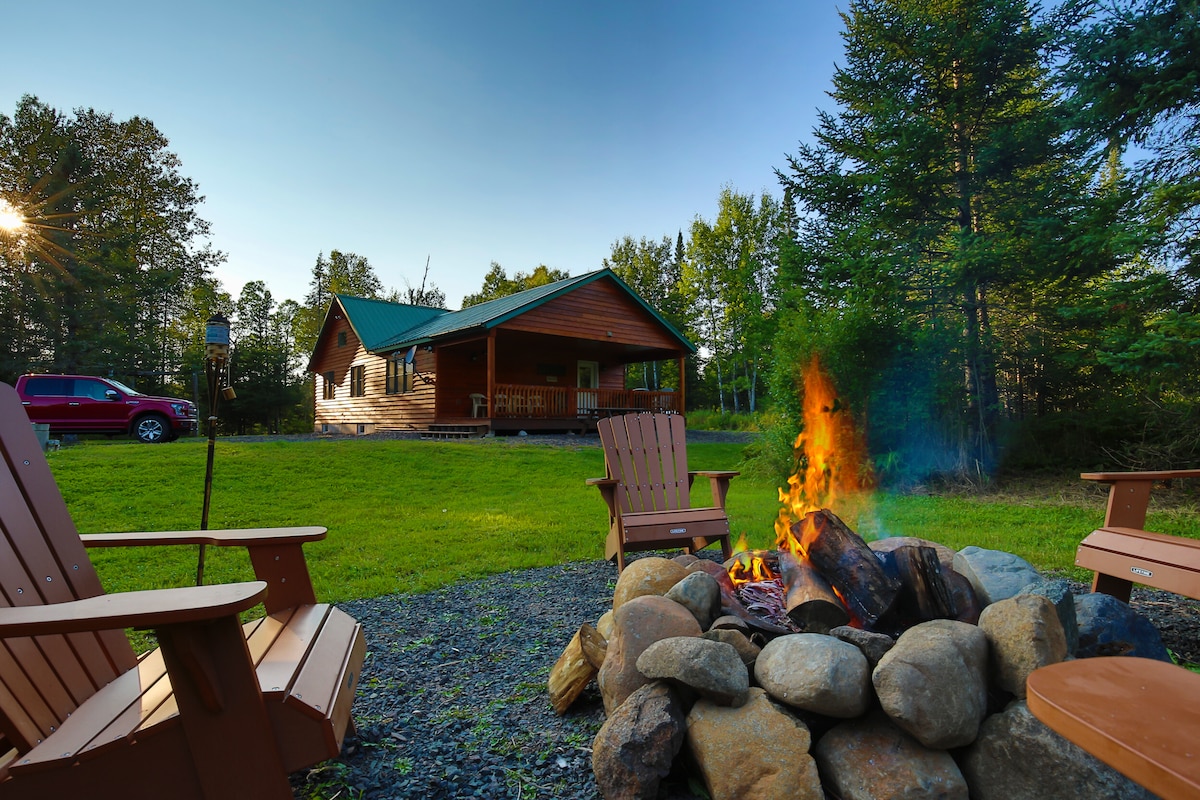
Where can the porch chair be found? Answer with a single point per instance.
(221, 710)
(647, 487)
(478, 403)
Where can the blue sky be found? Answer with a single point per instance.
(516, 131)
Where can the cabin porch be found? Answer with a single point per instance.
(532, 407)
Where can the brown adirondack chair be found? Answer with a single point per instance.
(220, 710)
(647, 488)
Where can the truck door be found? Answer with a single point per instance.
(45, 399)
(97, 406)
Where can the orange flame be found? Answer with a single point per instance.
(749, 566)
(830, 459)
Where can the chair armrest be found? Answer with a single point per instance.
(275, 554)
(246, 537)
(147, 609)
(1129, 493)
(718, 481)
(1157, 475)
(608, 490)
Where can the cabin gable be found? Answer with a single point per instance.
(599, 311)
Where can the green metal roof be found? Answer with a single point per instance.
(383, 326)
(376, 321)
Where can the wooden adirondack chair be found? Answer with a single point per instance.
(221, 710)
(647, 489)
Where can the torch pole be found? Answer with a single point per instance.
(212, 372)
(216, 339)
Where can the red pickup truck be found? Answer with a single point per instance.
(84, 404)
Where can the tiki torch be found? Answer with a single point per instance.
(216, 366)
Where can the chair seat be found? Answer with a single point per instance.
(293, 651)
(684, 524)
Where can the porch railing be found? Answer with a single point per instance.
(532, 402)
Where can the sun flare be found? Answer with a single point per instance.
(10, 219)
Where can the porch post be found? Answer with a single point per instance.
(491, 373)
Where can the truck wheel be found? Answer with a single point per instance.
(152, 428)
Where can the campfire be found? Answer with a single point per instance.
(872, 662)
(822, 574)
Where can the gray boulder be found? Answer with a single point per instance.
(1109, 627)
(713, 669)
(747, 650)
(994, 574)
(699, 593)
(1016, 757)
(873, 645)
(815, 672)
(933, 682)
(1059, 593)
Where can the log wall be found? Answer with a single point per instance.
(375, 409)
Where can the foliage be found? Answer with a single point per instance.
(711, 420)
(654, 271)
(265, 366)
(114, 243)
(729, 281)
(944, 220)
(341, 273)
(497, 284)
(1132, 69)
(426, 294)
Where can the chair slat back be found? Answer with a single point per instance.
(647, 455)
(42, 560)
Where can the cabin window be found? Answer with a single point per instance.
(327, 386)
(399, 376)
(358, 381)
(341, 338)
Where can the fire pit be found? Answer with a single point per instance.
(827, 665)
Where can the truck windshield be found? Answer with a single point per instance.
(123, 387)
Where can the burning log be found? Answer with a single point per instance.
(928, 593)
(810, 600)
(844, 559)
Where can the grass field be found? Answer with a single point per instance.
(408, 516)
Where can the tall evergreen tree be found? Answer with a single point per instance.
(945, 201)
(340, 273)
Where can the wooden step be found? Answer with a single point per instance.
(454, 432)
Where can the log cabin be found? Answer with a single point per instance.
(551, 358)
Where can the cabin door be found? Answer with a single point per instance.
(588, 373)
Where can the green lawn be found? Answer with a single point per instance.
(407, 516)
